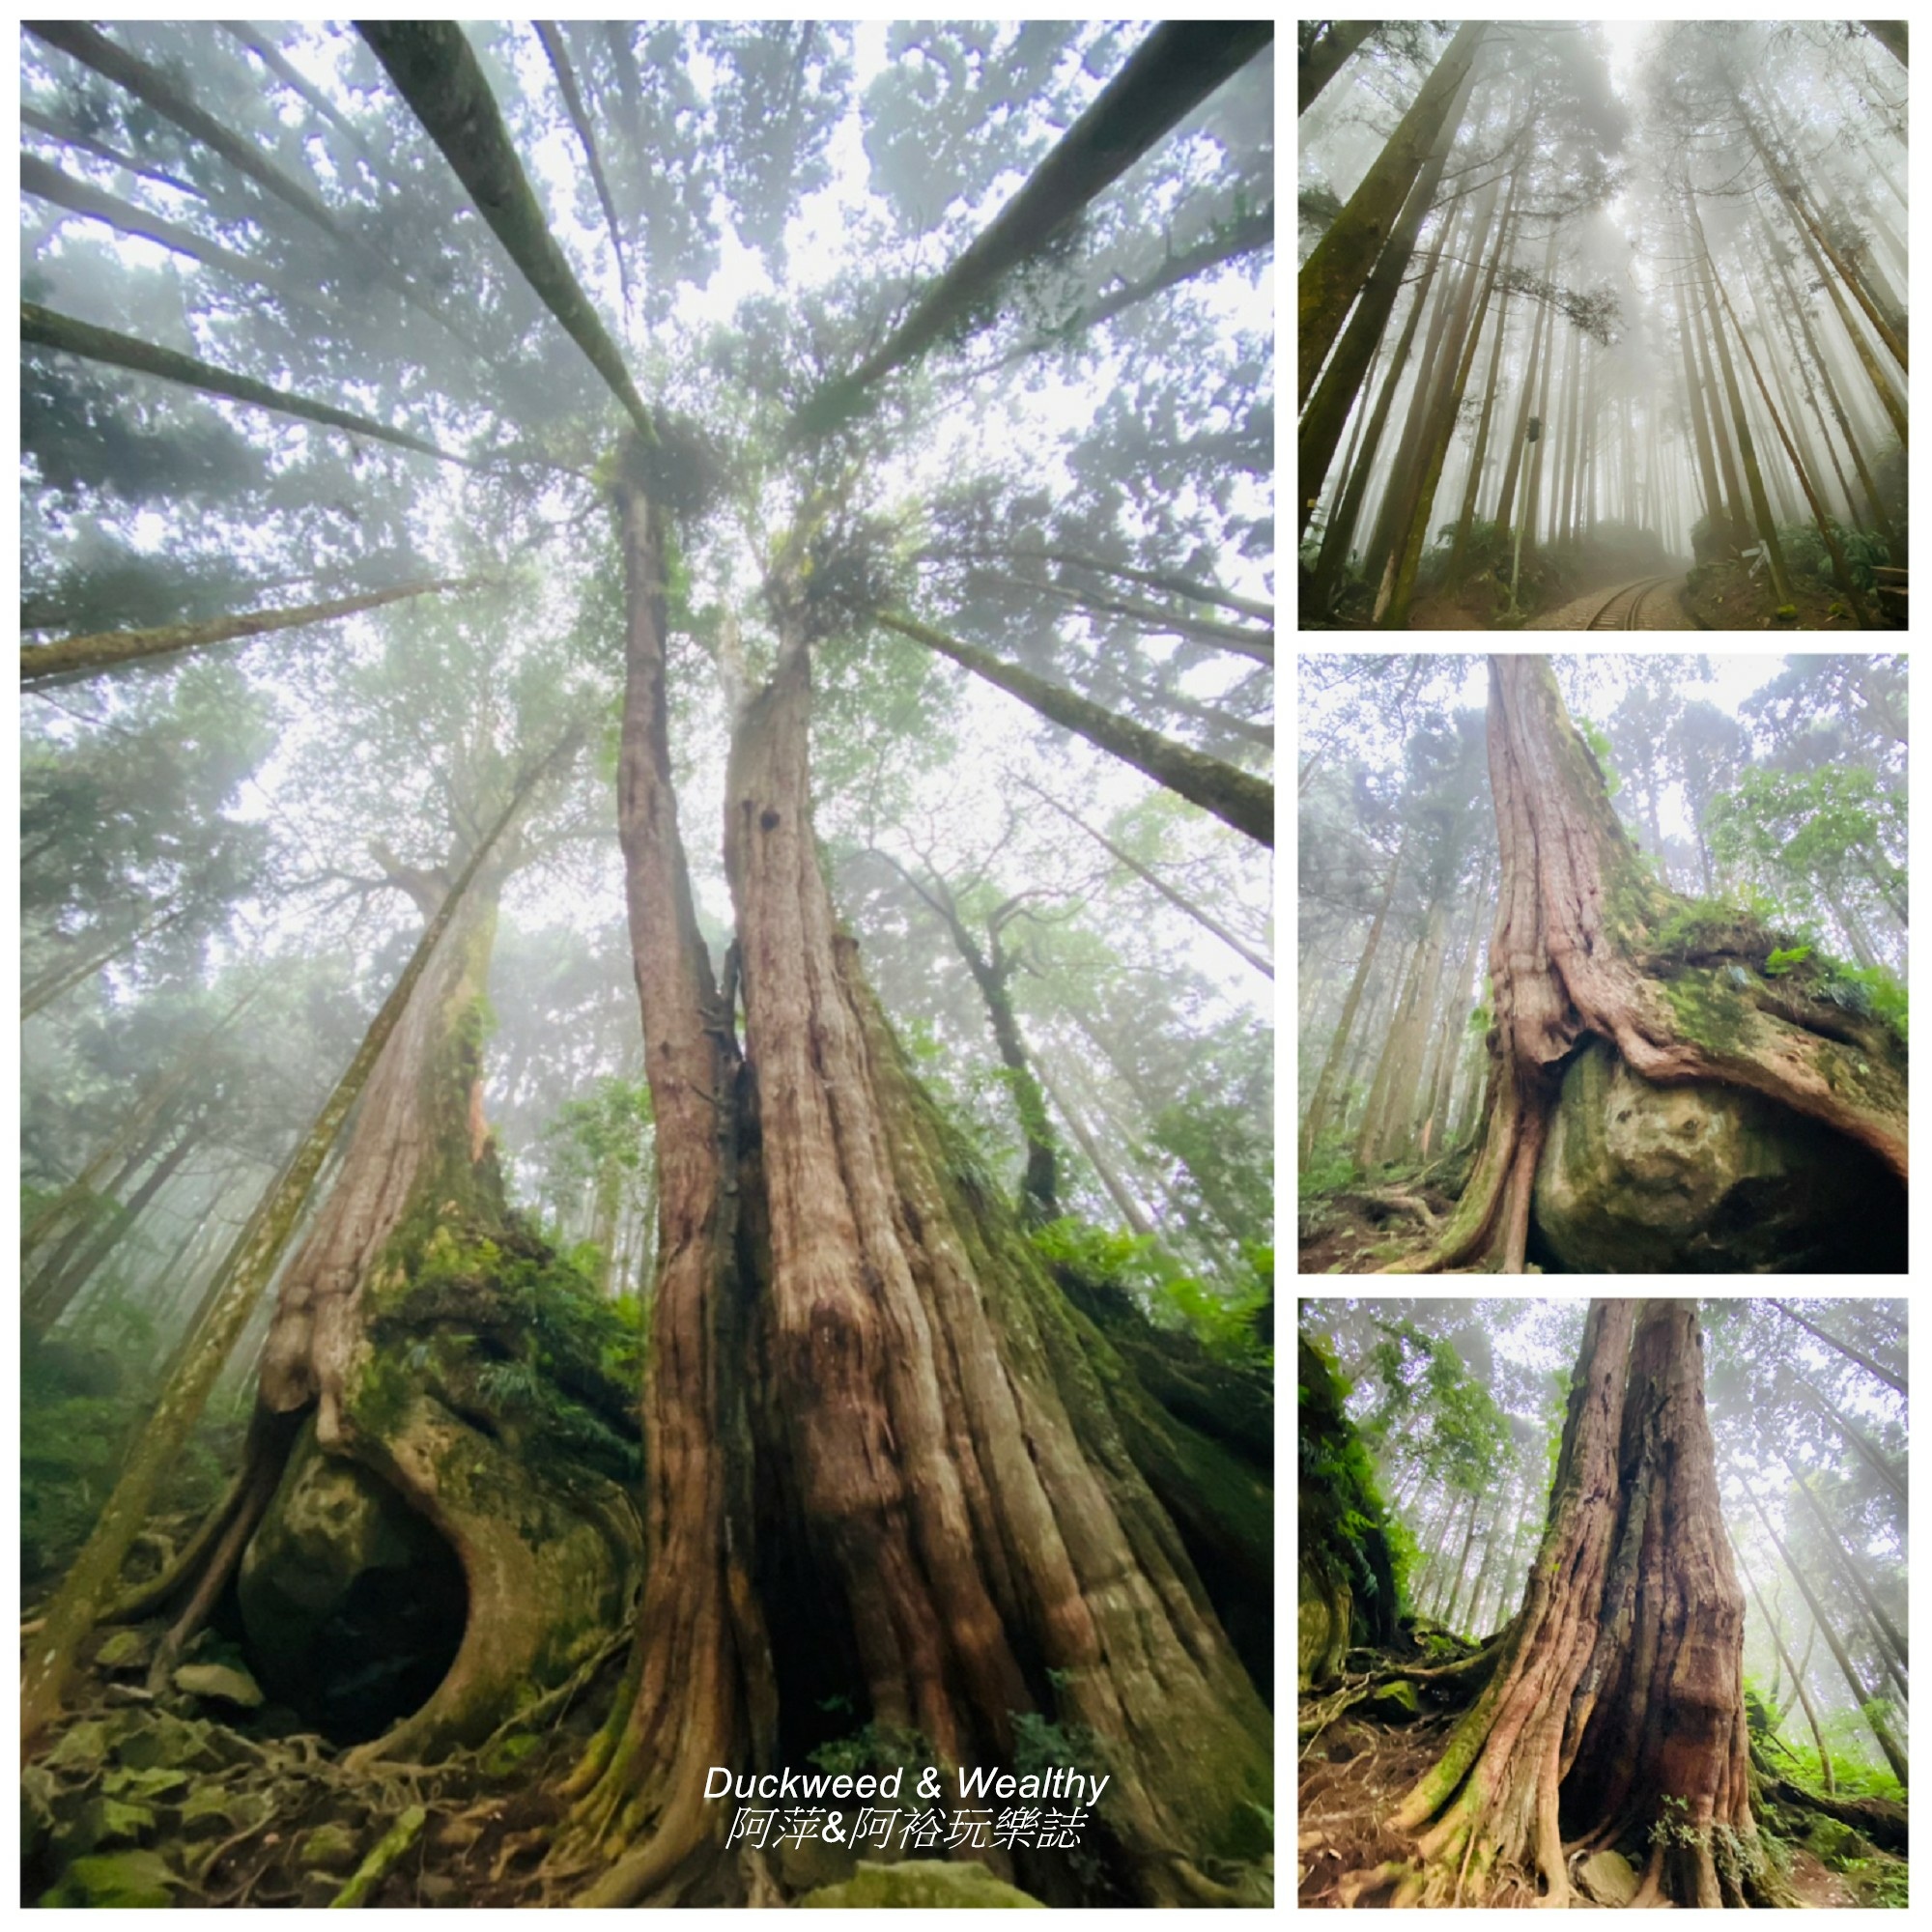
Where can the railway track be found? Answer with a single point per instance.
(1619, 612)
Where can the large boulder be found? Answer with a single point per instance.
(1704, 1179)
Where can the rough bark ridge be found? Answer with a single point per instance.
(700, 1688)
(962, 1475)
(1615, 1711)
(1569, 956)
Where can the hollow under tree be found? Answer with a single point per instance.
(1587, 946)
(1613, 1713)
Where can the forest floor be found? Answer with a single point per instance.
(1365, 1228)
(1724, 596)
(1354, 1770)
(1661, 608)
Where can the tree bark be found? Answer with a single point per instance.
(968, 1518)
(1334, 273)
(1232, 796)
(1567, 959)
(551, 35)
(1618, 1692)
(1171, 71)
(699, 1689)
(42, 666)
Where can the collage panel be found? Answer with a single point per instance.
(1601, 1601)
(1602, 963)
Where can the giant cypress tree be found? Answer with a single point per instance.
(885, 1443)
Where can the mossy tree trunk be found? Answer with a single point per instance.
(1615, 1713)
(1574, 954)
(965, 1484)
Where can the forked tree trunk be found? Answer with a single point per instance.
(1569, 958)
(965, 1484)
(1615, 1713)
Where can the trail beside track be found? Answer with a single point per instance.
(1643, 603)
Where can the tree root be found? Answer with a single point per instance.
(389, 1848)
(1879, 1819)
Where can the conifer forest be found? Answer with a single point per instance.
(646, 984)
(1603, 964)
(1603, 326)
(1602, 1603)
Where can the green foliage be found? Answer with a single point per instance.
(1328, 1165)
(1805, 551)
(874, 1749)
(1782, 958)
(1599, 742)
(1874, 992)
(1222, 1319)
(1345, 1524)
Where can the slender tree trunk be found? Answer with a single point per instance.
(1232, 796)
(1206, 921)
(700, 1691)
(1338, 532)
(1797, 1674)
(1334, 273)
(1323, 1099)
(1861, 1699)
(1888, 1376)
(1171, 71)
(1539, 343)
(44, 991)
(551, 35)
(1117, 1191)
(1328, 410)
(42, 666)
(434, 69)
(1851, 1567)
(1320, 60)
(47, 330)
(1478, 460)
(1462, 1570)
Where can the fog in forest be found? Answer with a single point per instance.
(1602, 963)
(1435, 1471)
(1603, 326)
(647, 1111)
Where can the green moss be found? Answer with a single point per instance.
(1708, 1013)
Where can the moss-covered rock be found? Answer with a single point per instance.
(925, 1883)
(1701, 1177)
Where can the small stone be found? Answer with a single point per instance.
(922, 1881)
(221, 1681)
(1608, 1878)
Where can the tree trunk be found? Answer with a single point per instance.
(551, 35)
(1479, 456)
(48, 329)
(1853, 1571)
(1448, 1616)
(1171, 71)
(1321, 422)
(90, 1584)
(1539, 353)
(1797, 1674)
(1181, 904)
(1875, 1459)
(1322, 55)
(1862, 1699)
(1569, 958)
(1334, 273)
(993, 1549)
(1888, 1376)
(1618, 1691)
(434, 69)
(1232, 796)
(1117, 1191)
(700, 1688)
(42, 666)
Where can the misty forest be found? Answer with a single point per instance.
(1602, 1603)
(1603, 964)
(647, 993)
(1603, 327)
